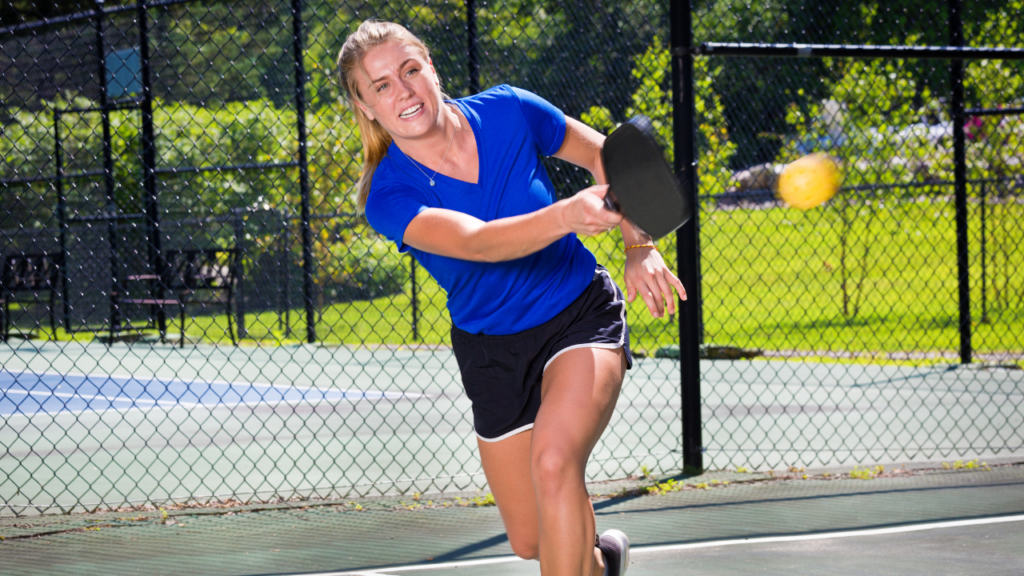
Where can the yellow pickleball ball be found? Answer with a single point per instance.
(809, 182)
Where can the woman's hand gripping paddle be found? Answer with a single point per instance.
(641, 186)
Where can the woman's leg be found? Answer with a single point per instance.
(507, 467)
(579, 391)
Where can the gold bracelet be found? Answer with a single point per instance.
(641, 246)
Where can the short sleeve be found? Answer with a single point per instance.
(546, 121)
(391, 208)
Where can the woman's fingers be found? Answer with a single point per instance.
(655, 284)
(588, 214)
(653, 302)
(665, 292)
(667, 281)
(680, 289)
(631, 291)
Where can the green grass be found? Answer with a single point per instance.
(772, 279)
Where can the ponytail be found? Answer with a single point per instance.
(375, 146)
(369, 35)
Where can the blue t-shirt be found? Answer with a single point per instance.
(512, 129)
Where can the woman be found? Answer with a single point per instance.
(539, 328)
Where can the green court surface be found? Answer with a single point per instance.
(416, 434)
(924, 521)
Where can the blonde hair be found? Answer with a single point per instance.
(376, 139)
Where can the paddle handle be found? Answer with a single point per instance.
(610, 203)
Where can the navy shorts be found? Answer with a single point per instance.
(502, 374)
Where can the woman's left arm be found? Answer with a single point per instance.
(646, 272)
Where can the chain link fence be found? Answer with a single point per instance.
(877, 310)
(193, 311)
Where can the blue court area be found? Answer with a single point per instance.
(30, 393)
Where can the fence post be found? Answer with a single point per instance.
(155, 244)
(687, 237)
(415, 303)
(473, 63)
(300, 117)
(956, 38)
(283, 274)
(239, 226)
(984, 263)
(62, 219)
(108, 178)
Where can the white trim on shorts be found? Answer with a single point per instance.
(622, 335)
(506, 434)
(622, 341)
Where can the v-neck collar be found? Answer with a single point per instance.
(448, 180)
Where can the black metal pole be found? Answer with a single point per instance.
(473, 63)
(415, 300)
(307, 231)
(994, 111)
(956, 39)
(288, 277)
(154, 247)
(238, 223)
(282, 274)
(62, 218)
(755, 50)
(108, 178)
(687, 249)
(984, 267)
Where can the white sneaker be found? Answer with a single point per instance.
(614, 545)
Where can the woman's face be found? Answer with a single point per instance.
(400, 90)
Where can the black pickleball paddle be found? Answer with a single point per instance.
(641, 185)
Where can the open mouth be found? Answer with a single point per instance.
(411, 111)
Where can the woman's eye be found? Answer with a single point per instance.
(412, 71)
(382, 87)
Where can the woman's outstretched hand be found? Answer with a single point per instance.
(585, 213)
(648, 276)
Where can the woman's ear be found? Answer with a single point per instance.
(365, 110)
(437, 77)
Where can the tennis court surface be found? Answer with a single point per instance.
(90, 425)
(904, 521)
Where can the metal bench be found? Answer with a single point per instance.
(192, 276)
(25, 277)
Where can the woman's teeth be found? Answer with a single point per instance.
(411, 111)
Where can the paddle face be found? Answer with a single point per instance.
(641, 186)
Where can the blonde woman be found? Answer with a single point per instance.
(539, 330)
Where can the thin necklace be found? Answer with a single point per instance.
(443, 158)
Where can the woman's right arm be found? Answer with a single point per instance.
(458, 235)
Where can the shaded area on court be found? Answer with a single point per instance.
(295, 540)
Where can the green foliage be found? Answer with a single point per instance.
(362, 267)
(886, 126)
(221, 51)
(228, 134)
(653, 98)
(866, 473)
(969, 465)
(755, 89)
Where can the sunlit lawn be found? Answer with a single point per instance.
(772, 279)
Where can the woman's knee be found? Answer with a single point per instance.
(525, 546)
(553, 469)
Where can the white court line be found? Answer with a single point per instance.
(714, 544)
(137, 378)
(384, 395)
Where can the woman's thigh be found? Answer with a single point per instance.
(578, 396)
(507, 467)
